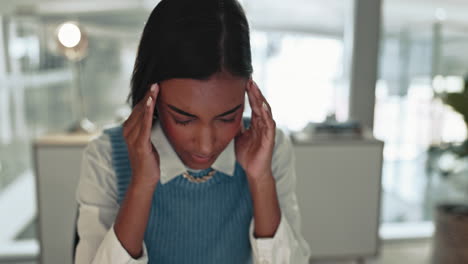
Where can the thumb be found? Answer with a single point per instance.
(241, 130)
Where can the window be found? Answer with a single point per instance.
(37, 97)
(419, 51)
(299, 74)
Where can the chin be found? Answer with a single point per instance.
(199, 165)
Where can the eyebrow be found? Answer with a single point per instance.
(182, 112)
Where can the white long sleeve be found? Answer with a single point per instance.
(97, 199)
(287, 246)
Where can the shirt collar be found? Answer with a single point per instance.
(170, 164)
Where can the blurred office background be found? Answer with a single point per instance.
(301, 61)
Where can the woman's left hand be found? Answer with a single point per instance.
(254, 146)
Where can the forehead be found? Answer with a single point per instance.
(218, 93)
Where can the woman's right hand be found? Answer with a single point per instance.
(143, 156)
(130, 223)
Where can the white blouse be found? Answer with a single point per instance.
(98, 207)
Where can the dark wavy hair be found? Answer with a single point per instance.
(191, 39)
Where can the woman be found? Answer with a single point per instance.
(185, 179)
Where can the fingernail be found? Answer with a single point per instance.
(148, 103)
(153, 87)
(265, 106)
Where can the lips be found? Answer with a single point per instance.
(201, 158)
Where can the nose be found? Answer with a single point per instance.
(205, 141)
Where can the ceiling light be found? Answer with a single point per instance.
(69, 34)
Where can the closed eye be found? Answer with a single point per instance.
(183, 123)
(230, 120)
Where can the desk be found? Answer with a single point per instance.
(338, 188)
(58, 161)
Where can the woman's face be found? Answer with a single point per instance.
(200, 118)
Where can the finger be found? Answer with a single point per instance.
(266, 116)
(143, 104)
(264, 103)
(242, 128)
(150, 93)
(255, 122)
(252, 100)
(148, 116)
(259, 102)
(129, 124)
(266, 130)
(134, 123)
(267, 108)
(130, 121)
(267, 124)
